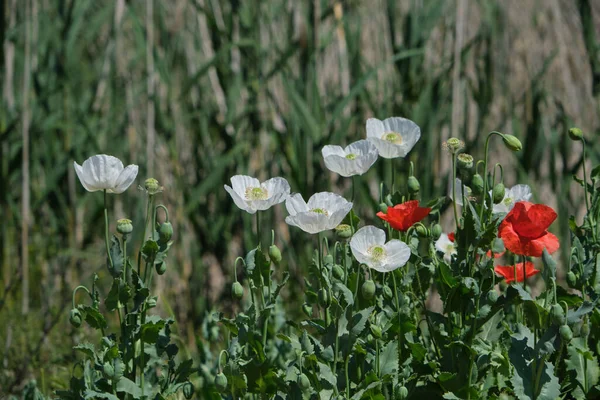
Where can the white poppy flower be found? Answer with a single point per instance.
(324, 211)
(369, 247)
(250, 195)
(355, 159)
(393, 137)
(102, 172)
(446, 246)
(511, 196)
(459, 187)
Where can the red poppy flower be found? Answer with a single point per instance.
(508, 272)
(489, 252)
(524, 229)
(403, 216)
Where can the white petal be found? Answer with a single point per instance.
(278, 190)
(295, 204)
(238, 200)
(459, 187)
(126, 178)
(361, 147)
(239, 183)
(310, 222)
(521, 193)
(409, 131)
(325, 200)
(366, 237)
(387, 149)
(340, 165)
(375, 128)
(102, 171)
(397, 255)
(83, 178)
(338, 216)
(444, 243)
(330, 150)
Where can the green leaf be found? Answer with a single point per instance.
(93, 317)
(150, 250)
(116, 256)
(325, 374)
(583, 363)
(388, 359)
(446, 275)
(359, 321)
(585, 308)
(87, 349)
(149, 330)
(125, 385)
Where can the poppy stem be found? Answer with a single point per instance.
(353, 189)
(258, 228)
(585, 192)
(110, 260)
(393, 186)
(485, 173)
(454, 192)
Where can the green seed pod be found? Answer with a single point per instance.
(558, 315)
(338, 272)
(376, 331)
(275, 254)
(575, 134)
(368, 289)
(75, 318)
(124, 226)
(307, 310)
(512, 142)
(344, 231)
(413, 185)
(237, 289)
(152, 186)
(221, 382)
(324, 299)
(566, 333)
(571, 279)
(492, 296)
(498, 193)
(422, 231)
(303, 382)
(161, 268)
(436, 231)
(477, 185)
(401, 392)
(387, 292)
(165, 232)
(188, 390)
(465, 161)
(383, 208)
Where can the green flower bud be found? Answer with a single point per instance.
(165, 232)
(151, 302)
(413, 185)
(303, 382)
(221, 382)
(585, 330)
(368, 289)
(152, 187)
(383, 208)
(338, 272)
(344, 231)
(558, 315)
(124, 226)
(307, 310)
(328, 259)
(237, 289)
(566, 333)
(465, 161)
(436, 231)
(275, 254)
(477, 184)
(387, 292)
(422, 231)
(376, 331)
(188, 390)
(492, 296)
(324, 299)
(75, 318)
(575, 134)
(498, 193)
(512, 142)
(571, 279)
(401, 392)
(161, 268)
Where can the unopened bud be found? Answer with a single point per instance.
(307, 310)
(188, 390)
(161, 268)
(383, 208)
(338, 272)
(477, 184)
(75, 318)
(571, 279)
(124, 226)
(436, 231)
(303, 382)
(575, 134)
(237, 290)
(558, 315)
(344, 231)
(376, 331)
(165, 232)
(387, 292)
(275, 254)
(422, 231)
(368, 289)
(221, 382)
(413, 185)
(498, 193)
(566, 333)
(512, 142)
(324, 298)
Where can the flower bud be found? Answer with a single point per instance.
(303, 382)
(575, 134)
(328, 259)
(124, 226)
(571, 279)
(585, 330)
(566, 333)
(151, 302)
(221, 382)
(477, 184)
(492, 296)
(498, 193)
(465, 161)
(512, 142)
(275, 254)
(324, 299)
(401, 392)
(161, 268)
(165, 232)
(75, 318)
(422, 231)
(376, 331)
(387, 292)
(237, 289)
(558, 315)
(413, 185)
(383, 208)
(307, 310)
(368, 289)
(152, 187)
(344, 231)
(188, 390)
(436, 231)
(338, 272)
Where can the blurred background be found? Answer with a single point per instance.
(195, 91)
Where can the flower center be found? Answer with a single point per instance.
(392, 137)
(320, 211)
(256, 193)
(508, 201)
(449, 248)
(351, 156)
(376, 252)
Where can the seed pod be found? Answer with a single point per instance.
(558, 315)
(75, 318)
(344, 231)
(324, 299)
(307, 310)
(303, 382)
(413, 185)
(571, 279)
(376, 331)
(338, 272)
(221, 382)
(188, 390)
(165, 232)
(492, 296)
(124, 226)
(566, 333)
(328, 259)
(477, 184)
(465, 161)
(436, 231)
(237, 289)
(368, 289)
(387, 292)
(275, 254)
(161, 268)
(498, 193)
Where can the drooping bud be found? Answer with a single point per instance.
(124, 226)
(498, 193)
(303, 382)
(221, 382)
(165, 232)
(571, 279)
(492, 296)
(328, 259)
(188, 390)
(575, 134)
(436, 231)
(376, 331)
(585, 330)
(387, 292)
(338, 272)
(368, 289)
(558, 315)
(503, 286)
(512, 142)
(75, 318)
(237, 290)
(465, 161)
(307, 310)
(275, 254)
(401, 392)
(324, 299)
(383, 208)
(566, 333)
(161, 268)
(477, 184)
(344, 231)
(413, 185)
(422, 231)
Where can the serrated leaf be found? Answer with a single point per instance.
(388, 359)
(326, 374)
(584, 365)
(359, 321)
(125, 385)
(93, 317)
(87, 349)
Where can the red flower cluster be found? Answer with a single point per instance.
(524, 229)
(508, 272)
(403, 216)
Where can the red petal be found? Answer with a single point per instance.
(508, 272)
(534, 221)
(535, 247)
(451, 236)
